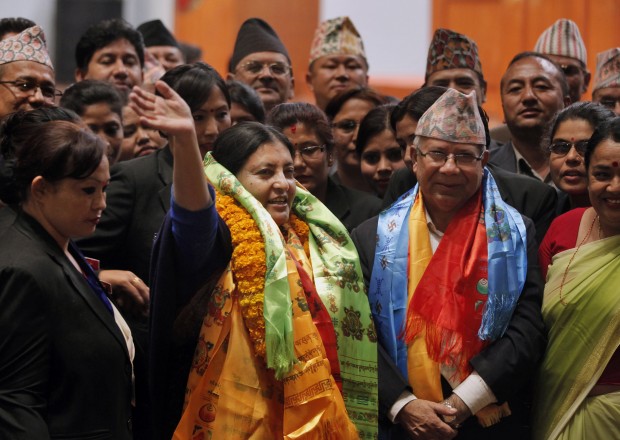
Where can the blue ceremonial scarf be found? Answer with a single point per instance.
(507, 269)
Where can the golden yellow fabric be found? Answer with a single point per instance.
(424, 373)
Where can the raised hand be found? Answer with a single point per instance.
(168, 112)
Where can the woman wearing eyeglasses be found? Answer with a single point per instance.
(577, 393)
(307, 127)
(346, 111)
(568, 138)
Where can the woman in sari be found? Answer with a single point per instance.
(578, 387)
(259, 316)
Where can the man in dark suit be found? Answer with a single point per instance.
(533, 90)
(530, 197)
(425, 390)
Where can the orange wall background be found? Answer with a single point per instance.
(502, 28)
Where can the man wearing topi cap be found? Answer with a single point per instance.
(453, 62)
(454, 290)
(606, 88)
(159, 42)
(27, 77)
(337, 60)
(261, 61)
(562, 43)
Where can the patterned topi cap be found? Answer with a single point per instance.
(451, 50)
(454, 117)
(564, 39)
(29, 45)
(607, 69)
(337, 36)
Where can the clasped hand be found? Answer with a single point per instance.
(423, 419)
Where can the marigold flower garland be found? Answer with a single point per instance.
(248, 263)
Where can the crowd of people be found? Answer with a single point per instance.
(190, 256)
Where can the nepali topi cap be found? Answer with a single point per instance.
(564, 39)
(156, 34)
(454, 117)
(607, 69)
(29, 45)
(451, 50)
(255, 35)
(337, 36)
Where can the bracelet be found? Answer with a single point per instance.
(449, 420)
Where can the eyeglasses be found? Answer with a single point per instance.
(311, 152)
(256, 67)
(29, 87)
(460, 159)
(562, 148)
(570, 70)
(609, 102)
(346, 125)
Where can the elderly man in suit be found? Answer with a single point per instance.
(455, 290)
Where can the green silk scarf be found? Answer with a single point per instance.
(339, 282)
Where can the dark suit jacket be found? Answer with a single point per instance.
(138, 198)
(529, 196)
(503, 156)
(7, 217)
(351, 206)
(64, 367)
(506, 365)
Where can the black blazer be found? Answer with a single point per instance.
(351, 206)
(138, 198)
(64, 367)
(506, 365)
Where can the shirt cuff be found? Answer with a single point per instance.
(404, 398)
(475, 393)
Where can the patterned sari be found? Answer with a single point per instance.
(238, 390)
(583, 335)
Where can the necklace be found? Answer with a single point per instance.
(600, 230)
(248, 263)
(575, 253)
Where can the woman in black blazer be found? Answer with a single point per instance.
(65, 351)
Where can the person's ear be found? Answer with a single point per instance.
(39, 187)
(309, 81)
(79, 75)
(291, 92)
(586, 82)
(330, 159)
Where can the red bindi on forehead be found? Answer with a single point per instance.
(614, 164)
(293, 128)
